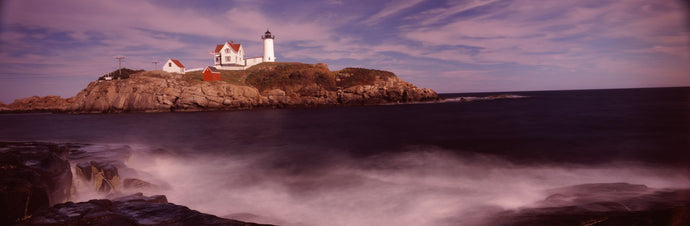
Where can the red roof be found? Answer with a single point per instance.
(177, 62)
(234, 46)
(212, 69)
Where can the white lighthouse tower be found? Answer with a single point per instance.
(268, 47)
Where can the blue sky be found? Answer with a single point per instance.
(58, 47)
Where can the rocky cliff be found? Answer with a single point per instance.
(264, 85)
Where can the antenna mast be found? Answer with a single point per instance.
(119, 63)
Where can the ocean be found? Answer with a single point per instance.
(451, 162)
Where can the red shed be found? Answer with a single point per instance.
(211, 74)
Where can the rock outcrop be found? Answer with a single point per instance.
(32, 176)
(264, 85)
(39, 104)
(135, 209)
(604, 204)
(162, 91)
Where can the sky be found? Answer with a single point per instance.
(454, 46)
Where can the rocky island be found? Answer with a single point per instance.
(267, 85)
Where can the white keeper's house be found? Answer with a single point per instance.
(173, 66)
(230, 55)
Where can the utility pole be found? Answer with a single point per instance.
(119, 63)
(155, 64)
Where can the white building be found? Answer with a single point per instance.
(230, 56)
(173, 66)
(268, 47)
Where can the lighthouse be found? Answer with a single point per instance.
(268, 47)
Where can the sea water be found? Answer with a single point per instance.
(450, 162)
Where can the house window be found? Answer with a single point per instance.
(227, 50)
(169, 64)
(227, 58)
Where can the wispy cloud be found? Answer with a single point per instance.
(391, 8)
(567, 34)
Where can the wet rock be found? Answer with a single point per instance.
(102, 176)
(135, 209)
(604, 204)
(32, 176)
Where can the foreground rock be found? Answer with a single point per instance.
(32, 176)
(264, 85)
(135, 209)
(605, 204)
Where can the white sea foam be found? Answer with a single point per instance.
(427, 186)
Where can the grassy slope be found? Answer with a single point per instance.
(234, 77)
(285, 76)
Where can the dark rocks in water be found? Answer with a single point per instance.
(103, 176)
(32, 176)
(135, 209)
(605, 204)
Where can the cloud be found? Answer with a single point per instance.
(456, 7)
(391, 8)
(566, 35)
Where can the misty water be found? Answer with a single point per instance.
(451, 162)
